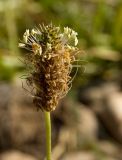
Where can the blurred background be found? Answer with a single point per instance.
(87, 124)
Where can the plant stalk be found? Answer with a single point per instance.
(48, 135)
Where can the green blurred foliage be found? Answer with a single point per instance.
(6, 73)
(98, 23)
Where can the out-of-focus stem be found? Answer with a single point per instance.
(10, 17)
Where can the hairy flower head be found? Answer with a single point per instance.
(50, 57)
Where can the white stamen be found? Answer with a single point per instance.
(26, 35)
(33, 31)
(21, 45)
(40, 50)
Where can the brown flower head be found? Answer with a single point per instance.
(51, 54)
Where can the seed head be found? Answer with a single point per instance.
(50, 57)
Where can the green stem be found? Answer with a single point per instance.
(48, 134)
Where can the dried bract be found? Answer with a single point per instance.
(51, 54)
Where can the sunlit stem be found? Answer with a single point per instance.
(48, 135)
